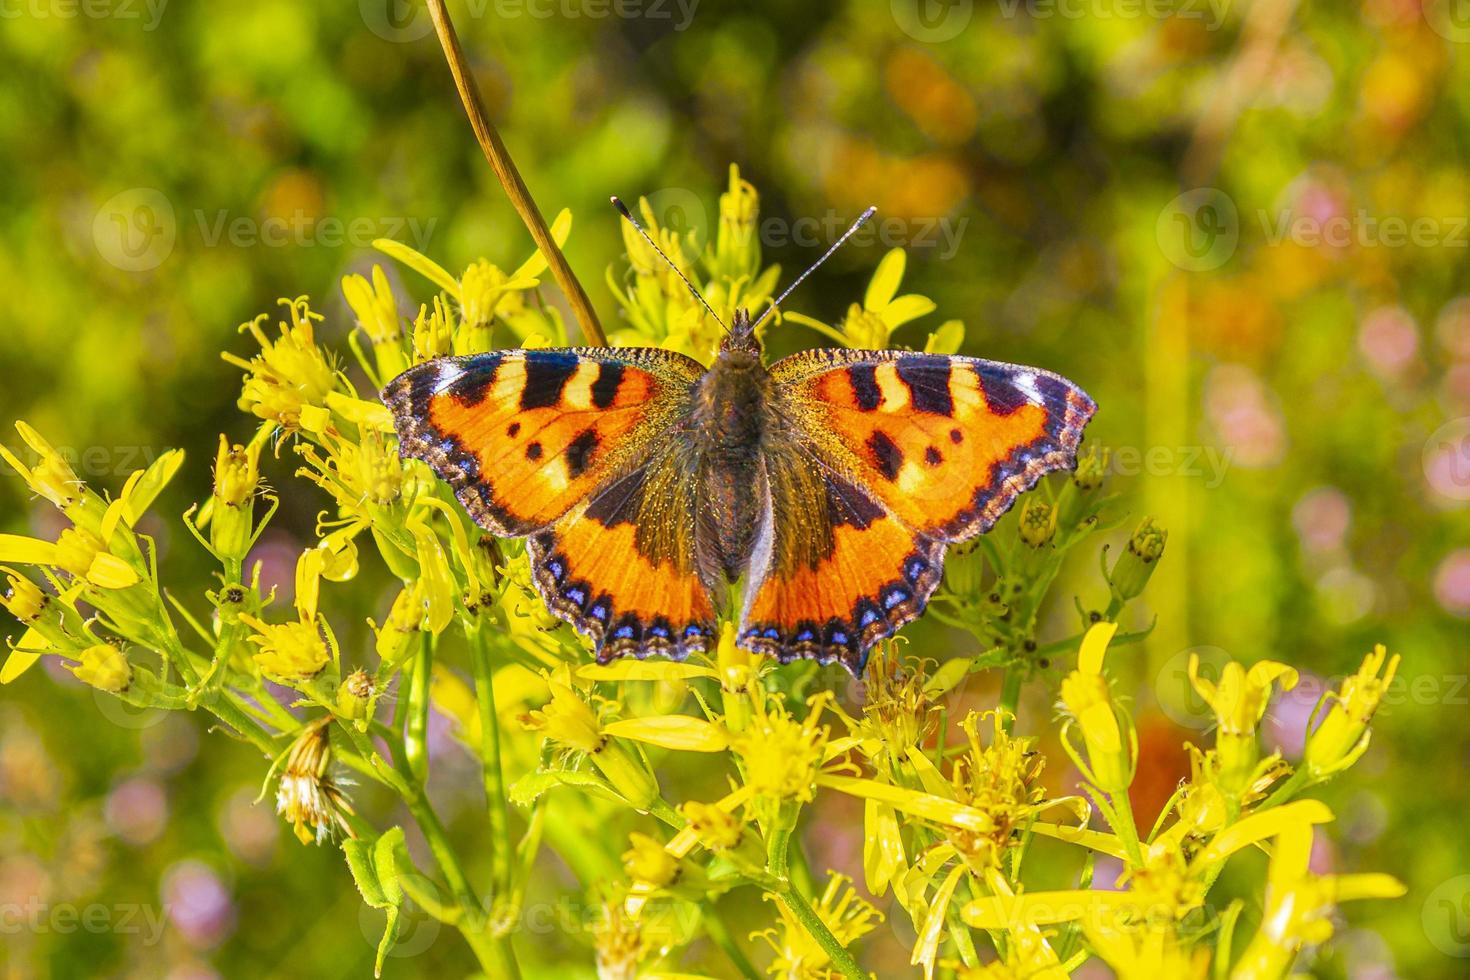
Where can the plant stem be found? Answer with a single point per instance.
(494, 778)
(719, 934)
(1010, 695)
(493, 951)
(510, 178)
(777, 863)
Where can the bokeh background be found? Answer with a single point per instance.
(1242, 225)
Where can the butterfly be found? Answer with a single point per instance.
(830, 482)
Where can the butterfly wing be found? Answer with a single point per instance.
(946, 444)
(561, 445)
(907, 453)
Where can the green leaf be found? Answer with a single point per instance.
(530, 787)
(374, 868)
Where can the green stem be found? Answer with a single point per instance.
(1010, 695)
(416, 731)
(778, 862)
(496, 809)
(719, 934)
(493, 952)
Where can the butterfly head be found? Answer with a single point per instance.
(741, 337)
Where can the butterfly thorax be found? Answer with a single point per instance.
(729, 420)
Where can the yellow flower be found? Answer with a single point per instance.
(1240, 699)
(566, 719)
(1300, 905)
(1002, 781)
(846, 916)
(898, 713)
(104, 667)
(290, 374)
(1343, 736)
(292, 651)
(620, 943)
(236, 472)
(83, 554)
(646, 862)
(715, 828)
(52, 477)
(1086, 697)
(23, 599)
(779, 755)
(307, 796)
(871, 325)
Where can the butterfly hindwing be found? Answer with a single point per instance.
(832, 580)
(560, 445)
(946, 444)
(620, 568)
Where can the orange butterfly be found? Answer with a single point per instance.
(831, 481)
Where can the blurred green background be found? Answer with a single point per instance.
(1242, 226)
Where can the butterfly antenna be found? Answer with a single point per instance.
(623, 210)
(862, 218)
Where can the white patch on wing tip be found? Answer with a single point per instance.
(1026, 381)
(449, 373)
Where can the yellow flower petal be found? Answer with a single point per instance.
(422, 264)
(884, 284)
(111, 572)
(924, 805)
(1094, 646)
(26, 551)
(1032, 909)
(642, 670)
(679, 732)
(23, 656)
(371, 415)
(1259, 826)
(434, 577)
(926, 945)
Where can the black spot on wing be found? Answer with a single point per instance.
(928, 382)
(605, 388)
(620, 501)
(886, 454)
(513, 430)
(533, 451)
(865, 391)
(547, 373)
(956, 436)
(933, 456)
(847, 505)
(473, 386)
(579, 453)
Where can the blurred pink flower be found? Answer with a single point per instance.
(1452, 327)
(1452, 583)
(1389, 341)
(137, 810)
(198, 903)
(1245, 415)
(1322, 518)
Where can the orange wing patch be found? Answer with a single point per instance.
(591, 572)
(876, 576)
(944, 443)
(523, 436)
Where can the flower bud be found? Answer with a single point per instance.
(104, 667)
(355, 696)
(1134, 567)
(1038, 523)
(646, 861)
(24, 600)
(1343, 735)
(715, 828)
